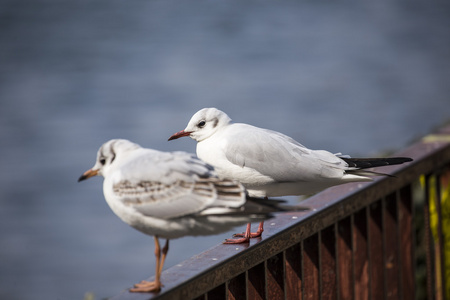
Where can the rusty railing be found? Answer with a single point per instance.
(359, 241)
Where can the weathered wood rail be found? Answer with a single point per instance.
(359, 241)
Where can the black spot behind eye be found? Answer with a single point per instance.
(216, 121)
(201, 124)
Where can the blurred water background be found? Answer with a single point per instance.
(358, 77)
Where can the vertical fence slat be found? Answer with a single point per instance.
(439, 244)
(293, 269)
(428, 241)
(376, 251)
(311, 267)
(360, 256)
(328, 263)
(444, 184)
(345, 264)
(257, 282)
(275, 274)
(237, 288)
(406, 243)
(391, 237)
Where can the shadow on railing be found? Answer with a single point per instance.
(377, 240)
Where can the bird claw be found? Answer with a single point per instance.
(146, 287)
(237, 241)
(246, 236)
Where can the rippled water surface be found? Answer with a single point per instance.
(353, 77)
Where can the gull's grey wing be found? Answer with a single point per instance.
(169, 185)
(280, 157)
(180, 198)
(166, 167)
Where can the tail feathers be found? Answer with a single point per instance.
(364, 163)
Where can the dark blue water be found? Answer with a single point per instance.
(356, 77)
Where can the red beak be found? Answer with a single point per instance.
(179, 134)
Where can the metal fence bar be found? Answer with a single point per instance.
(311, 268)
(257, 282)
(391, 249)
(376, 251)
(275, 277)
(357, 241)
(360, 255)
(428, 242)
(293, 271)
(328, 266)
(345, 262)
(406, 238)
(440, 264)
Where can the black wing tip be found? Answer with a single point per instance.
(363, 163)
(402, 159)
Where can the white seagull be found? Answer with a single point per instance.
(170, 195)
(269, 163)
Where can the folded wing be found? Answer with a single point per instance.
(170, 185)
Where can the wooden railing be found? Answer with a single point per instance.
(379, 240)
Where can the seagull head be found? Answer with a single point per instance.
(203, 124)
(107, 157)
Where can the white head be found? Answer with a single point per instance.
(107, 157)
(203, 124)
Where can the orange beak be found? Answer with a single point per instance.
(179, 134)
(88, 174)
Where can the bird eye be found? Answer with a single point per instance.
(103, 161)
(201, 124)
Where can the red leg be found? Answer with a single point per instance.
(164, 254)
(153, 286)
(253, 234)
(260, 230)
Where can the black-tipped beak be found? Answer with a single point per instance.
(179, 134)
(88, 174)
